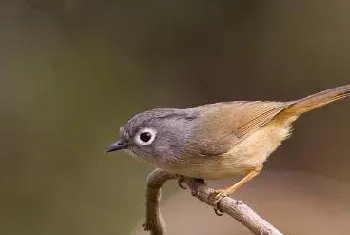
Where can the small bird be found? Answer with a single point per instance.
(217, 141)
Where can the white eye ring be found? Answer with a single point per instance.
(145, 136)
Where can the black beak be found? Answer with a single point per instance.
(116, 146)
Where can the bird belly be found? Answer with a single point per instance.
(243, 157)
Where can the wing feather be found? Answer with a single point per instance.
(223, 125)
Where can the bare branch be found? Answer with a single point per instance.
(236, 209)
(154, 221)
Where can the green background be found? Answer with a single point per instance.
(73, 71)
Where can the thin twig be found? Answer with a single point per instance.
(236, 209)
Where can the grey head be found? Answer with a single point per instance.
(158, 135)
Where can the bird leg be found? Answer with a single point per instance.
(221, 193)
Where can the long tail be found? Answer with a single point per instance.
(318, 100)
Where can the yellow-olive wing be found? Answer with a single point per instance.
(223, 125)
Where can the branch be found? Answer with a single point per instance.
(236, 209)
(154, 220)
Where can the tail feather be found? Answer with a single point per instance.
(318, 100)
(295, 108)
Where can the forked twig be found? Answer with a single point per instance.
(236, 209)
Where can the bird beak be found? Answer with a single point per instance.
(116, 146)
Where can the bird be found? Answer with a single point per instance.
(217, 141)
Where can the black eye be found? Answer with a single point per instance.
(145, 136)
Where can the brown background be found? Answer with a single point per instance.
(73, 71)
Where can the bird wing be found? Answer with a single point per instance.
(224, 125)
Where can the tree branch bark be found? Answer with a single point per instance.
(236, 209)
(154, 220)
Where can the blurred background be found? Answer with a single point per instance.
(73, 71)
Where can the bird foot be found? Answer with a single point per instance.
(218, 195)
(181, 182)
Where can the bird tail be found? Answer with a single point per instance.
(318, 100)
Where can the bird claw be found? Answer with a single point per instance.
(181, 182)
(218, 211)
(218, 195)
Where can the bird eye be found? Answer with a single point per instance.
(146, 136)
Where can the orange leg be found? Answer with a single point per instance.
(221, 193)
